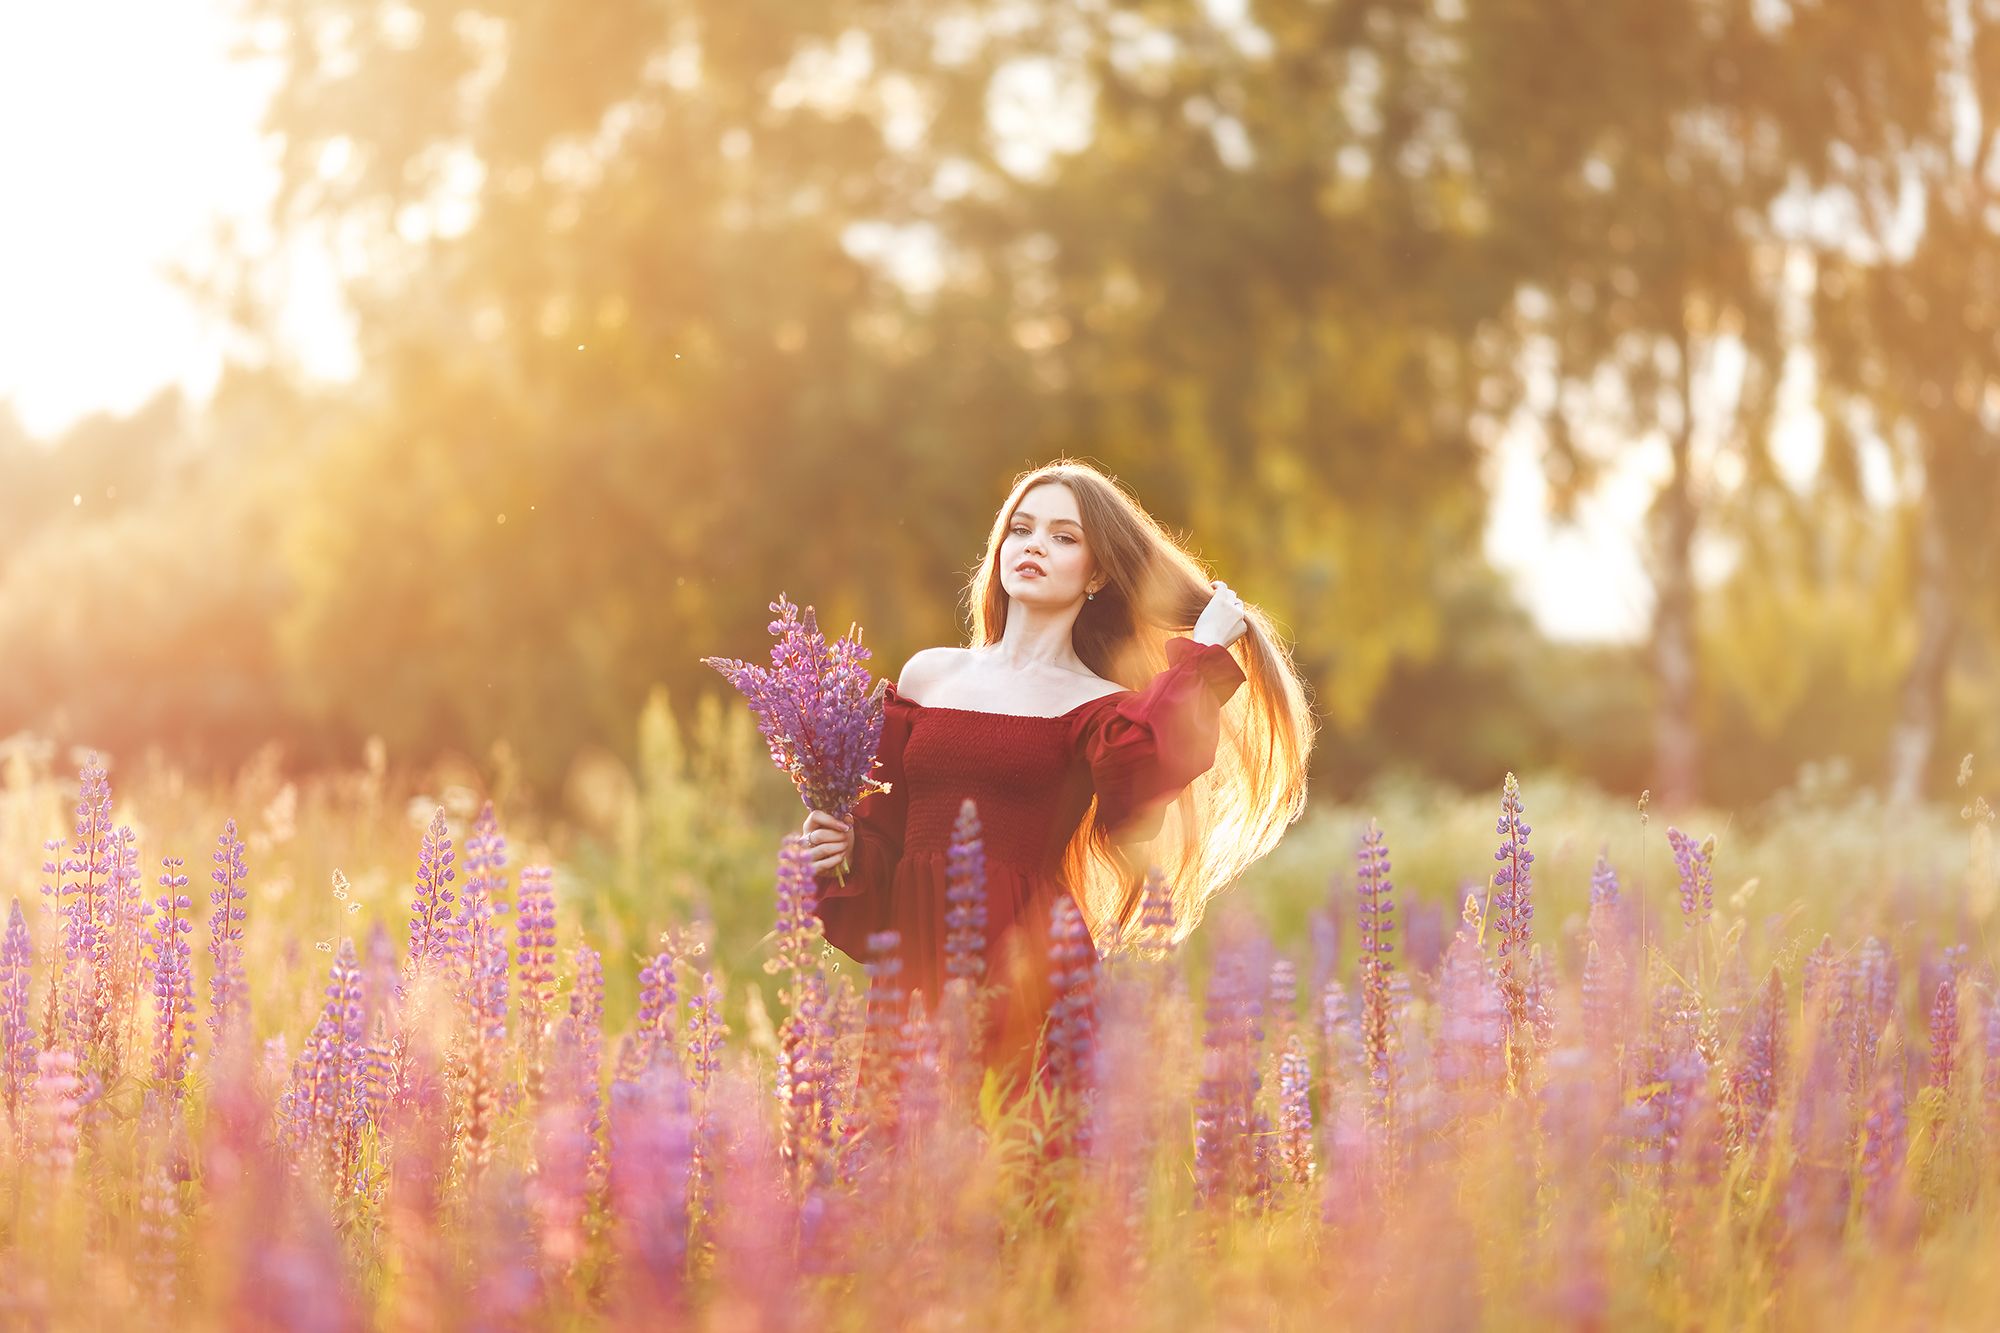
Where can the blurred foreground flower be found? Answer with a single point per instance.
(818, 708)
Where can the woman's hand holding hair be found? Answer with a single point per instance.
(1223, 621)
(828, 840)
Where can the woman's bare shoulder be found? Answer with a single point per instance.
(928, 666)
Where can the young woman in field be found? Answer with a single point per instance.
(1099, 720)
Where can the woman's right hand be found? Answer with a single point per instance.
(828, 840)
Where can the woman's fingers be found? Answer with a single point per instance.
(828, 840)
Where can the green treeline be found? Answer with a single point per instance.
(667, 307)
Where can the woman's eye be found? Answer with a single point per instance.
(1063, 537)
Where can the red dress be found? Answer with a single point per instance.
(1032, 779)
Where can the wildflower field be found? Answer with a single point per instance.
(361, 1052)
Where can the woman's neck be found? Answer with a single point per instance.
(1036, 638)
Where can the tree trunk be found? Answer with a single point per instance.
(1676, 745)
(1915, 738)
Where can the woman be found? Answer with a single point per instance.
(1100, 724)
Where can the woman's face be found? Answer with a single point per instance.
(1044, 558)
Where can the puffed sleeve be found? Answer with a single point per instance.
(852, 910)
(1145, 745)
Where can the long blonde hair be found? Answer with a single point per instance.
(1154, 589)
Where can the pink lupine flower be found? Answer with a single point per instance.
(228, 992)
(1513, 913)
(18, 1049)
(1376, 907)
(59, 1098)
(1944, 1035)
(1295, 1117)
(1472, 1019)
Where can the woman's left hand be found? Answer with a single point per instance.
(1223, 621)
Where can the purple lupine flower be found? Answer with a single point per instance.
(1225, 1102)
(1604, 997)
(379, 967)
(1281, 1001)
(1339, 1035)
(434, 938)
(817, 706)
(1072, 1018)
(1603, 923)
(228, 991)
(1513, 908)
(797, 922)
(1541, 999)
(122, 948)
(86, 905)
(55, 1022)
(1989, 1033)
(159, 1217)
(810, 1083)
(652, 1160)
(560, 1191)
(1295, 1117)
(535, 954)
(1514, 882)
(1944, 1035)
(1325, 928)
(579, 1048)
(887, 1008)
(1695, 862)
(374, 1076)
(1867, 1009)
(704, 1034)
(173, 977)
(1375, 913)
(1603, 882)
(1672, 1065)
(965, 898)
(1754, 1082)
(17, 1035)
(653, 1024)
(1885, 1141)
(483, 947)
(1472, 1022)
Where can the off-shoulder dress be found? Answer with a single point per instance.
(1033, 779)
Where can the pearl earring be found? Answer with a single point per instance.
(1090, 597)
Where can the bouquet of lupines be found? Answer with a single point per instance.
(819, 709)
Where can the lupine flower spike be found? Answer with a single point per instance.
(818, 708)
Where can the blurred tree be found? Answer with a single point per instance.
(1907, 323)
(614, 295)
(1632, 152)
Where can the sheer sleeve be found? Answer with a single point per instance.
(1145, 745)
(853, 910)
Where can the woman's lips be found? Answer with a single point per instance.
(1026, 567)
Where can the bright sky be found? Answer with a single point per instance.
(121, 154)
(125, 131)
